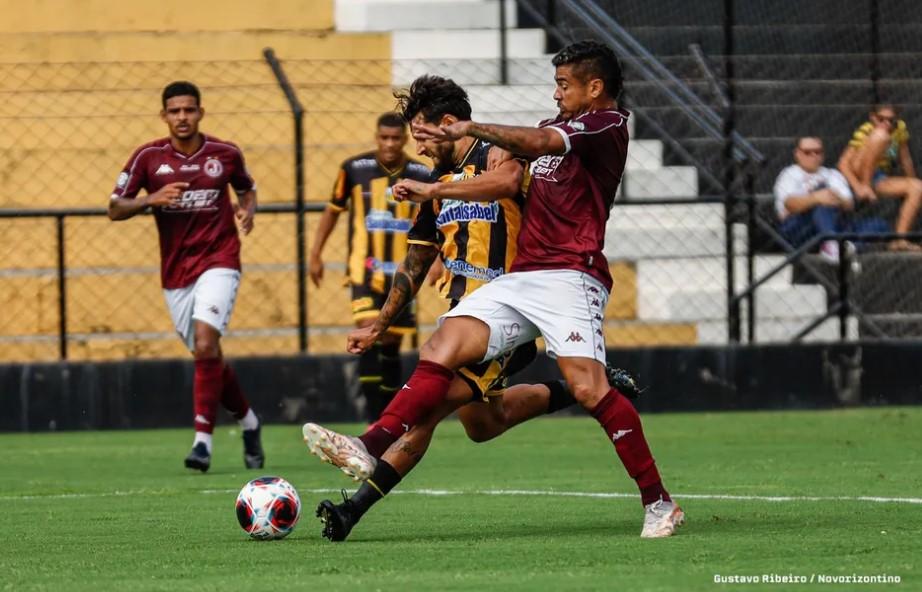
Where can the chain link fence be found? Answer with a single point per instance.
(70, 127)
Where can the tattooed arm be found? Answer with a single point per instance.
(407, 281)
(530, 142)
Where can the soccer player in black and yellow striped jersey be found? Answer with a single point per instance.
(377, 241)
(876, 150)
(477, 242)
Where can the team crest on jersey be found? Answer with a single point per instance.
(577, 125)
(213, 167)
(122, 180)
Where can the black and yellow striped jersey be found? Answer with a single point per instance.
(477, 239)
(378, 225)
(890, 158)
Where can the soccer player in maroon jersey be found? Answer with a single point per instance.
(558, 284)
(185, 177)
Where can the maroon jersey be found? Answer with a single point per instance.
(570, 196)
(199, 232)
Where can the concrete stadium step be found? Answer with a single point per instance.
(778, 302)
(466, 44)
(774, 330)
(400, 15)
(773, 92)
(691, 274)
(651, 243)
(668, 216)
(665, 182)
(521, 71)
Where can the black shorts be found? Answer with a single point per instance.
(366, 304)
(488, 379)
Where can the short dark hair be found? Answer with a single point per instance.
(591, 59)
(392, 119)
(434, 97)
(181, 88)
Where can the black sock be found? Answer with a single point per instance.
(375, 488)
(560, 396)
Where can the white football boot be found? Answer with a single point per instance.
(661, 519)
(346, 452)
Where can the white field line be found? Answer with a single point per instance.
(502, 492)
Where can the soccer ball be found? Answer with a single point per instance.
(268, 508)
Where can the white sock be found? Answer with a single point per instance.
(249, 421)
(203, 437)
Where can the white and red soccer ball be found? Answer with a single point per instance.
(268, 508)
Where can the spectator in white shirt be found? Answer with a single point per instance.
(811, 199)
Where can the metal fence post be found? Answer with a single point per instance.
(62, 288)
(297, 111)
(733, 307)
(503, 65)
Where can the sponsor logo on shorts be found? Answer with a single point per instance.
(214, 310)
(196, 199)
(483, 274)
(213, 167)
(593, 289)
(595, 302)
(460, 211)
(575, 337)
(384, 220)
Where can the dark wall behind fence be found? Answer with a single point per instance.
(147, 394)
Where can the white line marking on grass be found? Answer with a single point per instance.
(503, 492)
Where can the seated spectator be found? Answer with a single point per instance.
(811, 199)
(871, 158)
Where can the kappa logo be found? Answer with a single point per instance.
(593, 289)
(165, 169)
(201, 419)
(595, 302)
(214, 310)
(575, 337)
(620, 434)
(597, 317)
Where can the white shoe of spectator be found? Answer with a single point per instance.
(829, 251)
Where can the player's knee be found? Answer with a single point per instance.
(915, 189)
(206, 348)
(586, 394)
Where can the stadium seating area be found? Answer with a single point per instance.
(76, 106)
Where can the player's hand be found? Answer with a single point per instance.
(435, 272)
(167, 195)
(865, 192)
(415, 191)
(441, 133)
(360, 340)
(315, 269)
(245, 218)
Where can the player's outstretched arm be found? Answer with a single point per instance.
(122, 208)
(503, 182)
(530, 142)
(407, 281)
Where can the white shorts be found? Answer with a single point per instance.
(209, 300)
(564, 306)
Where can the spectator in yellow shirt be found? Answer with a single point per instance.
(877, 148)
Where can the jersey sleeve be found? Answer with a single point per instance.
(860, 135)
(240, 178)
(590, 134)
(133, 177)
(341, 190)
(425, 231)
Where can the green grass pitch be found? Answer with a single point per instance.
(116, 510)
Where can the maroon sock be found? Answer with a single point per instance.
(206, 391)
(232, 396)
(425, 390)
(621, 422)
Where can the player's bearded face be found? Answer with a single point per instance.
(182, 114)
(572, 94)
(440, 152)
